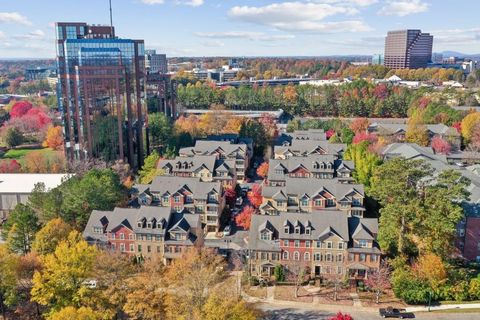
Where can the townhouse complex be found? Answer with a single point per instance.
(179, 207)
(312, 214)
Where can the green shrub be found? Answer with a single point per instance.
(278, 273)
(410, 289)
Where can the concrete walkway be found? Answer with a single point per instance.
(356, 300)
(271, 293)
(444, 307)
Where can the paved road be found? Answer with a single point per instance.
(276, 312)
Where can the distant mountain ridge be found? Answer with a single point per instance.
(459, 54)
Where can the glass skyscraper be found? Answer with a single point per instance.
(101, 92)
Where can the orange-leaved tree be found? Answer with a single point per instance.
(262, 170)
(244, 219)
(54, 138)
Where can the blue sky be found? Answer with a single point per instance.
(244, 27)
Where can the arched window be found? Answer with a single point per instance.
(306, 256)
(285, 255)
(296, 255)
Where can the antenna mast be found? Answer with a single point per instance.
(111, 18)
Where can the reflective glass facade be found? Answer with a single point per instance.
(102, 93)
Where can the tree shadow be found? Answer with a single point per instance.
(292, 314)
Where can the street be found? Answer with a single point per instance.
(277, 312)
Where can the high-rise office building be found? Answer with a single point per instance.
(101, 92)
(408, 49)
(155, 62)
(378, 59)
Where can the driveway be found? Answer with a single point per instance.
(277, 312)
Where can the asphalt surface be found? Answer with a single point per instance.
(275, 312)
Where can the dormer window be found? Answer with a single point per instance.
(265, 235)
(315, 165)
(160, 225)
(329, 166)
(149, 225)
(287, 229)
(140, 223)
(297, 230)
(279, 171)
(308, 230)
(322, 165)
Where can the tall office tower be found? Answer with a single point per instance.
(156, 63)
(408, 49)
(101, 92)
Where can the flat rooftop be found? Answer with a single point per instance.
(25, 182)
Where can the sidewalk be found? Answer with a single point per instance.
(444, 307)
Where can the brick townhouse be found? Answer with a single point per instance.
(205, 199)
(326, 244)
(313, 166)
(149, 232)
(207, 168)
(310, 194)
(224, 150)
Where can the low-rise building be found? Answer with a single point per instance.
(149, 232)
(224, 150)
(314, 166)
(311, 194)
(305, 148)
(325, 244)
(207, 168)
(15, 188)
(205, 199)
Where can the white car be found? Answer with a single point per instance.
(239, 201)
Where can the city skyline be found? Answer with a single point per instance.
(246, 28)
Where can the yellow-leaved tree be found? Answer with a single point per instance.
(468, 125)
(47, 239)
(416, 130)
(72, 313)
(62, 282)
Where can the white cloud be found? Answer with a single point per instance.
(192, 3)
(34, 35)
(360, 3)
(301, 16)
(403, 7)
(14, 17)
(213, 43)
(255, 36)
(2, 35)
(152, 2)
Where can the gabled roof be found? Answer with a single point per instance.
(170, 185)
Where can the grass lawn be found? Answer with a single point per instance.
(473, 310)
(20, 153)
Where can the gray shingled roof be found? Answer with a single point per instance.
(308, 163)
(318, 220)
(205, 147)
(169, 184)
(392, 128)
(311, 187)
(306, 147)
(189, 164)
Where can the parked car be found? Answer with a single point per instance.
(391, 312)
(239, 201)
(227, 231)
(235, 211)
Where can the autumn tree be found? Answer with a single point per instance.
(149, 169)
(379, 280)
(359, 125)
(431, 268)
(475, 138)
(60, 283)
(244, 218)
(364, 136)
(298, 274)
(10, 166)
(440, 145)
(190, 281)
(417, 131)
(8, 279)
(54, 138)
(20, 109)
(341, 316)
(262, 170)
(20, 228)
(113, 273)
(468, 125)
(255, 195)
(145, 293)
(72, 313)
(365, 162)
(230, 196)
(47, 238)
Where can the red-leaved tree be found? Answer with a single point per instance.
(244, 219)
(440, 145)
(10, 166)
(330, 133)
(230, 196)
(379, 280)
(20, 108)
(359, 125)
(364, 136)
(341, 316)
(262, 170)
(255, 196)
